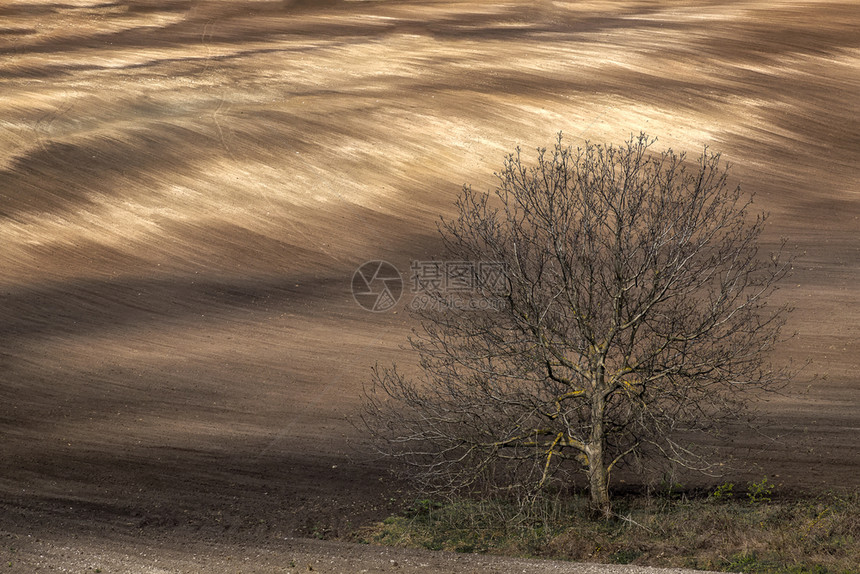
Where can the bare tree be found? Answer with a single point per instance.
(634, 317)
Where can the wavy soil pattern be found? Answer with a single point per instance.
(187, 187)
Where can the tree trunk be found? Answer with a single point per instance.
(598, 475)
(598, 481)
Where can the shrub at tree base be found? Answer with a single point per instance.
(815, 535)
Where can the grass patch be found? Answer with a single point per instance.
(761, 533)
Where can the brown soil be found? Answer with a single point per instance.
(186, 189)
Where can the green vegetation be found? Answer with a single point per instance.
(759, 492)
(760, 533)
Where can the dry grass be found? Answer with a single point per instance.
(813, 534)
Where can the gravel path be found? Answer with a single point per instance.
(295, 555)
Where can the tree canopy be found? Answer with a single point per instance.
(635, 317)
